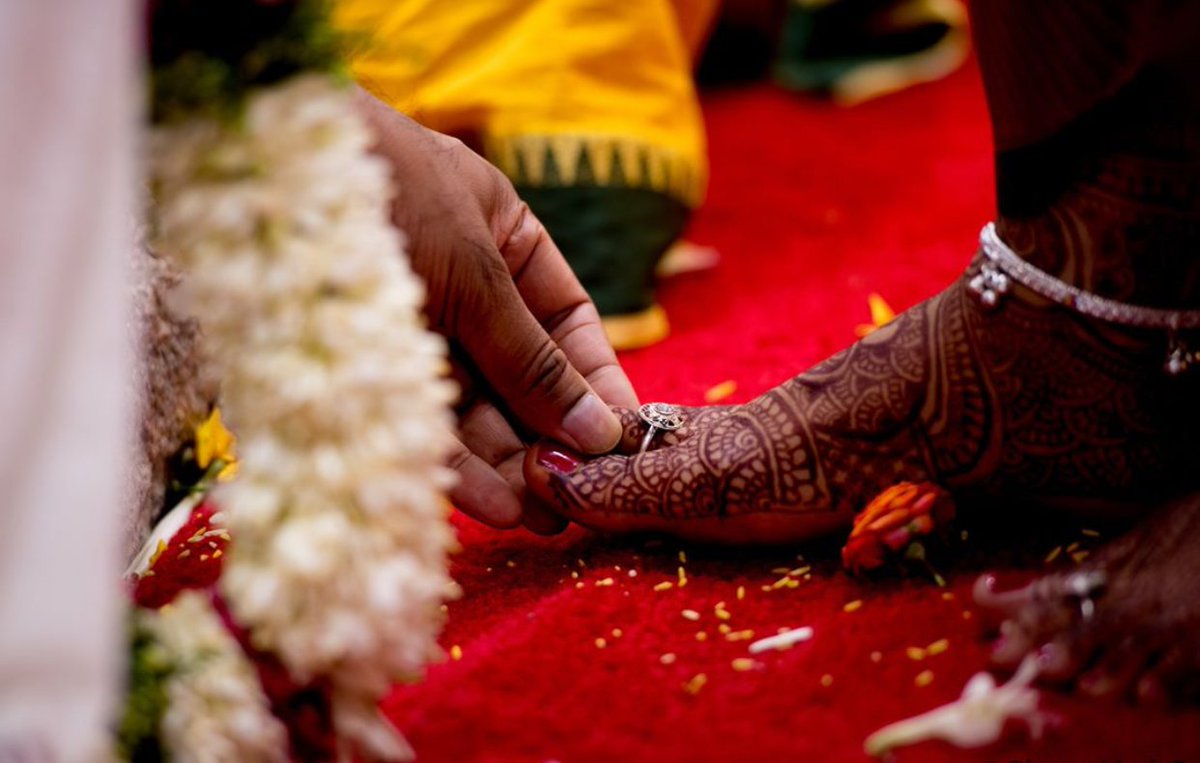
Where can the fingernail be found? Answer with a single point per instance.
(593, 426)
(556, 460)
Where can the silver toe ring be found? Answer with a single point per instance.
(1084, 587)
(660, 417)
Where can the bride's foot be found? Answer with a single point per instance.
(1097, 185)
(1137, 635)
(1029, 399)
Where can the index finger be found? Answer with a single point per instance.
(559, 302)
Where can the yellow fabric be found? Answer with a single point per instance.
(538, 78)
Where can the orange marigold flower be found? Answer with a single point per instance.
(893, 521)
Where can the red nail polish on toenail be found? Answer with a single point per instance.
(557, 460)
(1050, 658)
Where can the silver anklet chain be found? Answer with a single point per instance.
(1003, 265)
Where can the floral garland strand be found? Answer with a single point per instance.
(215, 708)
(311, 317)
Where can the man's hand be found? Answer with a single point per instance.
(527, 344)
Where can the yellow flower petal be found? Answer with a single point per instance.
(215, 442)
(881, 315)
(881, 312)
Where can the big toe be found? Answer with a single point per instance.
(652, 491)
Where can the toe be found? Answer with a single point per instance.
(1115, 672)
(545, 464)
(670, 490)
(1056, 661)
(1042, 616)
(633, 429)
(1165, 679)
(1005, 604)
(646, 492)
(1011, 646)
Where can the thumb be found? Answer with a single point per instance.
(530, 372)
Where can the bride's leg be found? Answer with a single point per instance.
(1097, 120)
(1030, 399)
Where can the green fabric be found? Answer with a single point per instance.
(820, 45)
(612, 237)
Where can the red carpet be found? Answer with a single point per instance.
(812, 208)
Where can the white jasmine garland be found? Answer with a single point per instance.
(973, 720)
(331, 383)
(216, 709)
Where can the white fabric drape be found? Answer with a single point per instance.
(68, 120)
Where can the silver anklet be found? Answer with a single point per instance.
(1002, 264)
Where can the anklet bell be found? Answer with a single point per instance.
(1179, 357)
(1001, 266)
(989, 285)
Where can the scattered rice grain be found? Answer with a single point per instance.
(785, 639)
(719, 392)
